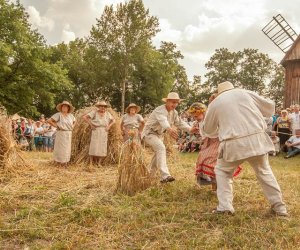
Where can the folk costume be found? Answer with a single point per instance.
(242, 139)
(63, 139)
(156, 125)
(99, 137)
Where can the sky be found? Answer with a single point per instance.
(198, 27)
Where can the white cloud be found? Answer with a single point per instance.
(167, 33)
(197, 27)
(67, 34)
(38, 21)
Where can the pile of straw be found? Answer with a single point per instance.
(10, 155)
(132, 169)
(81, 138)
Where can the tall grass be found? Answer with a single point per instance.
(69, 208)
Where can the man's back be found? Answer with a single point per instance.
(239, 112)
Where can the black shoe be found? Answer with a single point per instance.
(168, 179)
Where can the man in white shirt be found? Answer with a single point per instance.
(293, 145)
(161, 121)
(295, 118)
(242, 138)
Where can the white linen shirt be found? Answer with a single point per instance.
(160, 120)
(237, 116)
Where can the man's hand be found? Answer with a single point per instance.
(173, 133)
(288, 144)
(194, 130)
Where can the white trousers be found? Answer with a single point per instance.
(260, 164)
(159, 159)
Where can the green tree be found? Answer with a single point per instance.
(275, 89)
(222, 66)
(248, 69)
(118, 34)
(28, 80)
(255, 70)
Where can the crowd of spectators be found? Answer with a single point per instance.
(283, 128)
(34, 135)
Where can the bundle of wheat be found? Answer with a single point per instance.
(81, 138)
(170, 145)
(132, 170)
(10, 156)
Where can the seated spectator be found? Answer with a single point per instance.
(186, 144)
(181, 142)
(276, 141)
(293, 145)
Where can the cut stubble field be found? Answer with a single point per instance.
(47, 207)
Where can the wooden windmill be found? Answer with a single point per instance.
(287, 40)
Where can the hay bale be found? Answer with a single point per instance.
(81, 138)
(10, 153)
(133, 173)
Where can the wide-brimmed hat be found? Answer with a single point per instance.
(172, 96)
(225, 86)
(284, 111)
(102, 104)
(133, 105)
(71, 108)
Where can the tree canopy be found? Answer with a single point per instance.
(117, 62)
(29, 82)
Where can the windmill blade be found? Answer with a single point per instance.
(280, 33)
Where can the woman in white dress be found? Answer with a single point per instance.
(64, 122)
(100, 121)
(132, 123)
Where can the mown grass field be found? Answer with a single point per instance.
(46, 207)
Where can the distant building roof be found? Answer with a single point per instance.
(293, 53)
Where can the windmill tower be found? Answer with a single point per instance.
(287, 40)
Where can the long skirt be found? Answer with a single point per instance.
(207, 159)
(62, 146)
(98, 145)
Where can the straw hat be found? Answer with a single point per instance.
(225, 86)
(172, 96)
(71, 108)
(284, 111)
(102, 104)
(133, 105)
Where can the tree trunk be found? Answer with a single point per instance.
(123, 96)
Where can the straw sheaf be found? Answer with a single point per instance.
(81, 138)
(11, 159)
(132, 169)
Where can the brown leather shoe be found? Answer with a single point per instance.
(168, 179)
(225, 212)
